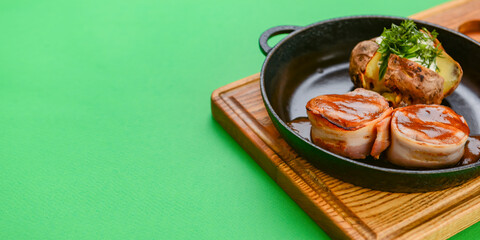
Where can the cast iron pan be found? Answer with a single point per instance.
(314, 60)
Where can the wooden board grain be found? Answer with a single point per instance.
(343, 210)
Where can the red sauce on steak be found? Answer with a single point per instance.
(349, 110)
(433, 124)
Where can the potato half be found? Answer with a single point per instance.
(405, 82)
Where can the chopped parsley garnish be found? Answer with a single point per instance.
(407, 41)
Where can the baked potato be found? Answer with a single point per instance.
(405, 81)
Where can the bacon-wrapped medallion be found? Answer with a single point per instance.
(427, 136)
(346, 124)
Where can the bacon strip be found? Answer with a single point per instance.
(382, 141)
(346, 124)
(427, 136)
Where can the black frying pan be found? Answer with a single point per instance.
(314, 60)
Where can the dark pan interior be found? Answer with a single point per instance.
(315, 61)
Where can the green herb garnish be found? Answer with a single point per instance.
(407, 41)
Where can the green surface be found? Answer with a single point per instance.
(106, 129)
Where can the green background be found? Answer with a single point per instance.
(105, 123)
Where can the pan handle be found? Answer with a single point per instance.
(273, 32)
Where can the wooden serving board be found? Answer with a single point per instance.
(343, 210)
